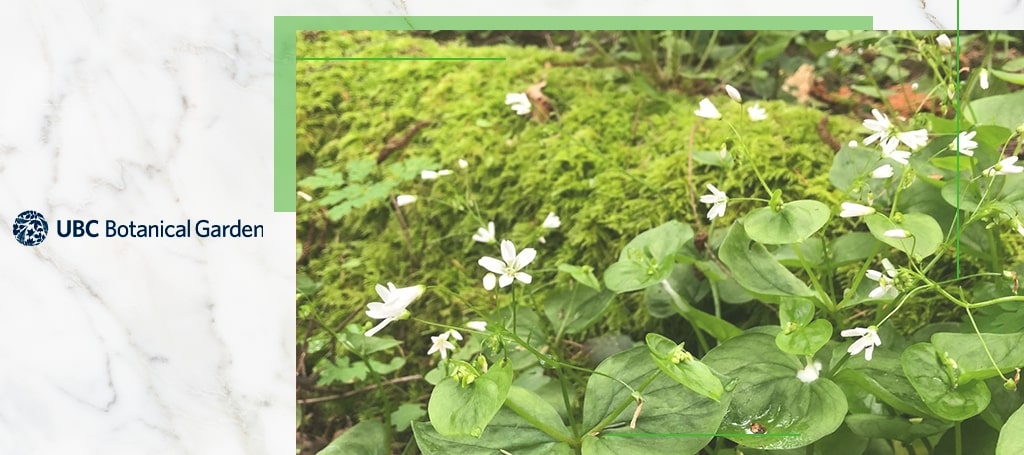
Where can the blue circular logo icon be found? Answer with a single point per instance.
(30, 228)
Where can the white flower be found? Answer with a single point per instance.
(914, 139)
(889, 146)
(304, 196)
(867, 342)
(851, 209)
(405, 199)
(428, 175)
(733, 93)
(944, 41)
(915, 86)
(886, 285)
(707, 110)
(1004, 167)
(395, 300)
(897, 233)
(542, 240)
(882, 172)
(552, 221)
(965, 143)
(853, 144)
(883, 129)
(485, 235)
(983, 79)
(880, 126)
(519, 103)
(756, 113)
(444, 172)
(508, 267)
(441, 344)
(718, 201)
(809, 373)
(463, 164)
(479, 326)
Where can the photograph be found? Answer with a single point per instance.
(714, 242)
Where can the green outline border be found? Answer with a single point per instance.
(285, 28)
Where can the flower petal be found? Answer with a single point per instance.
(508, 251)
(491, 264)
(505, 280)
(524, 277)
(378, 327)
(525, 258)
(489, 281)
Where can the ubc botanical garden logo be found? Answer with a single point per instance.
(30, 228)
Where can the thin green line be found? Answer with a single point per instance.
(698, 435)
(958, 95)
(397, 58)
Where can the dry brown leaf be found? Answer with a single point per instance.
(799, 84)
(542, 107)
(906, 101)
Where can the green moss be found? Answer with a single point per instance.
(612, 164)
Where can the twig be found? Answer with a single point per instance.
(369, 388)
(405, 232)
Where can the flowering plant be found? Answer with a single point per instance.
(925, 212)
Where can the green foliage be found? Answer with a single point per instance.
(368, 437)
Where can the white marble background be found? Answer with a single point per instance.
(164, 110)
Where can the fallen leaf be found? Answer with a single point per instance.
(542, 107)
(799, 84)
(906, 101)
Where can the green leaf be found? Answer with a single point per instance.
(385, 368)
(969, 353)
(756, 270)
(668, 408)
(684, 289)
(341, 371)
(713, 158)
(871, 90)
(683, 368)
(465, 411)
(853, 247)
(898, 428)
(932, 382)
(883, 377)
(541, 415)
(358, 170)
(584, 274)
(507, 431)
(796, 311)
(805, 340)
(661, 305)
(1011, 437)
(647, 259)
(970, 195)
(768, 392)
(406, 414)
(927, 235)
(797, 221)
(368, 437)
(355, 341)
(1016, 64)
(323, 178)
(852, 164)
(1003, 110)
(573, 310)
(1013, 78)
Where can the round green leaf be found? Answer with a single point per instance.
(756, 270)
(927, 235)
(573, 310)
(930, 379)
(647, 259)
(972, 360)
(794, 223)
(1011, 437)
(690, 372)
(669, 409)
(1005, 110)
(507, 431)
(890, 427)
(883, 377)
(368, 437)
(465, 411)
(806, 340)
(769, 393)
